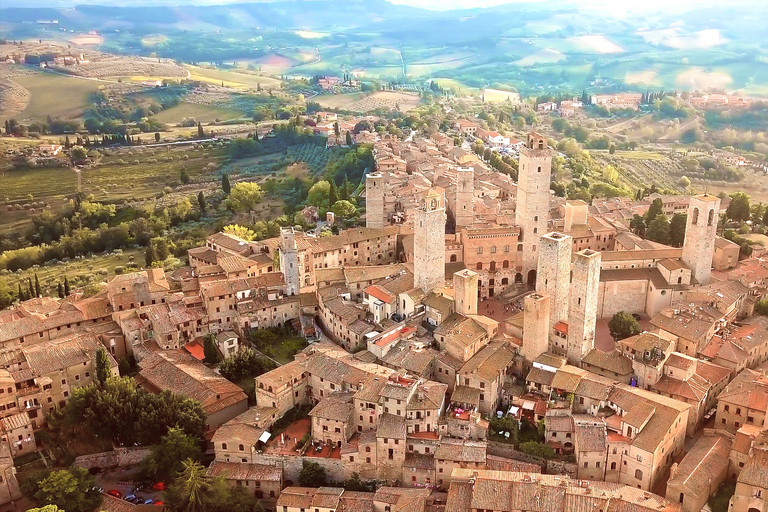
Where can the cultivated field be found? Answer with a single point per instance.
(496, 95)
(360, 102)
(54, 95)
(201, 113)
(235, 79)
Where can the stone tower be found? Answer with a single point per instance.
(289, 261)
(554, 274)
(429, 243)
(464, 214)
(536, 320)
(582, 312)
(532, 210)
(465, 292)
(700, 231)
(374, 201)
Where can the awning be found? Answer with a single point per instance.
(527, 405)
(265, 437)
(513, 410)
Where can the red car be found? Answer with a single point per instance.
(115, 493)
(159, 486)
(159, 503)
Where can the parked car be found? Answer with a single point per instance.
(159, 486)
(159, 503)
(115, 493)
(130, 497)
(149, 501)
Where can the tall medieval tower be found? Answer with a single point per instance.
(532, 210)
(464, 215)
(700, 233)
(289, 261)
(429, 243)
(374, 201)
(536, 320)
(582, 312)
(465, 292)
(554, 274)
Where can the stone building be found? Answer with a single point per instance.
(429, 244)
(463, 214)
(465, 292)
(289, 261)
(554, 275)
(743, 402)
(700, 234)
(532, 213)
(582, 310)
(536, 315)
(374, 201)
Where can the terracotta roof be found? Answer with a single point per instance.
(391, 427)
(753, 473)
(244, 471)
(460, 450)
(335, 407)
(612, 361)
(707, 459)
(490, 361)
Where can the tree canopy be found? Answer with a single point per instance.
(245, 196)
(68, 489)
(738, 209)
(623, 325)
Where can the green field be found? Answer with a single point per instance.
(232, 78)
(43, 183)
(201, 113)
(55, 95)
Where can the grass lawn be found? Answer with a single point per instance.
(760, 239)
(55, 95)
(719, 501)
(285, 349)
(201, 113)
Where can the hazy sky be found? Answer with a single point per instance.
(620, 5)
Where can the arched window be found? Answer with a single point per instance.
(613, 465)
(223, 446)
(519, 247)
(695, 218)
(638, 474)
(711, 218)
(242, 448)
(536, 218)
(493, 266)
(504, 281)
(679, 280)
(453, 258)
(479, 265)
(505, 264)
(493, 249)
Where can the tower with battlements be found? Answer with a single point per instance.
(700, 233)
(582, 310)
(536, 314)
(464, 215)
(532, 210)
(465, 292)
(289, 261)
(554, 274)
(374, 201)
(429, 243)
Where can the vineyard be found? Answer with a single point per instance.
(13, 97)
(315, 156)
(124, 66)
(637, 172)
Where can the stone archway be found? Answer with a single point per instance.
(531, 278)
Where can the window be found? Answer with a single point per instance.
(726, 408)
(738, 411)
(638, 474)
(223, 446)
(479, 250)
(586, 464)
(597, 464)
(242, 448)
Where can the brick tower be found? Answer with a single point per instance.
(429, 243)
(532, 211)
(374, 201)
(700, 232)
(536, 313)
(465, 292)
(554, 274)
(464, 215)
(582, 313)
(289, 261)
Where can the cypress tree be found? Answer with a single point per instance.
(38, 292)
(225, 185)
(200, 131)
(333, 194)
(21, 293)
(201, 201)
(31, 288)
(149, 256)
(60, 290)
(66, 286)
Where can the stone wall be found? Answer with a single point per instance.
(117, 458)
(558, 467)
(336, 469)
(550, 467)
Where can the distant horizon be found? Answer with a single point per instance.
(616, 6)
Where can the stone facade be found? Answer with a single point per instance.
(374, 201)
(554, 274)
(532, 211)
(429, 244)
(463, 213)
(465, 292)
(700, 233)
(289, 261)
(537, 312)
(582, 313)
